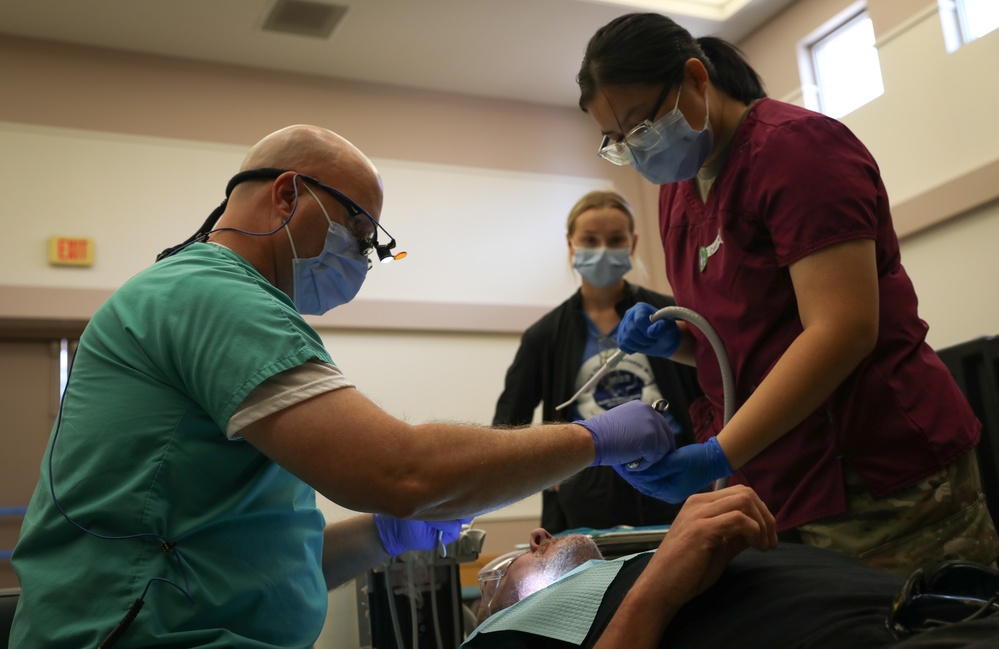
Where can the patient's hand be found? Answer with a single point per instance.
(710, 530)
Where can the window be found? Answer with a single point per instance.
(67, 351)
(842, 68)
(965, 20)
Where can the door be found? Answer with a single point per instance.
(30, 372)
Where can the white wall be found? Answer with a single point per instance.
(434, 376)
(473, 235)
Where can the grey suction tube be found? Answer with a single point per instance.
(728, 383)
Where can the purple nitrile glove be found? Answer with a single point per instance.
(683, 472)
(400, 536)
(636, 334)
(631, 432)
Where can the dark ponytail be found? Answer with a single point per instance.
(652, 49)
(729, 70)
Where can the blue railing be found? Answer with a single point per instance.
(10, 511)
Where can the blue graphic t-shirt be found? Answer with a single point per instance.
(631, 379)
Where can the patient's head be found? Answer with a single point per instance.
(513, 576)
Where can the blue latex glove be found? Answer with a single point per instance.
(400, 536)
(631, 432)
(683, 472)
(637, 334)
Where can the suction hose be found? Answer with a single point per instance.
(728, 383)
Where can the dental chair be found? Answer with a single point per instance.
(975, 366)
(620, 542)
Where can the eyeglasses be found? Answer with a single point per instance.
(493, 572)
(957, 591)
(643, 137)
(360, 224)
(365, 230)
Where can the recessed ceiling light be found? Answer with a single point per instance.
(719, 10)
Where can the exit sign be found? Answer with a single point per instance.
(71, 251)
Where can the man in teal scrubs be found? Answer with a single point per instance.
(203, 413)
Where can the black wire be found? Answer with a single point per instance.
(207, 227)
(168, 547)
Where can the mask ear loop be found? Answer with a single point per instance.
(294, 253)
(707, 111)
(318, 202)
(287, 230)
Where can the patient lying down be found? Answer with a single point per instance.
(718, 579)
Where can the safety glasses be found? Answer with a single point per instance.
(957, 591)
(492, 574)
(642, 138)
(362, 226)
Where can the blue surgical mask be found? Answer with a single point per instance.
(680, 151)
(602, 267)
(334, 277)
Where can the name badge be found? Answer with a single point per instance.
(705, 252)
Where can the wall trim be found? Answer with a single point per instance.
(920, 16)
(27, 308)
(946, 201)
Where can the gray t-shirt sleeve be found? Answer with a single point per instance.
(285, 389)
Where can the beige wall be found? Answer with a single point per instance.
(936, 140)
(109, 92)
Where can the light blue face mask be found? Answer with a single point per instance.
(602, 267)
(334, 277)
(680, 151)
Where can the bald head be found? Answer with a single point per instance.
(307, 149)
(269, 204)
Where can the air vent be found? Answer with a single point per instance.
(304, 18)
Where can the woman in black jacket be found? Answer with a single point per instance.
(562, 350)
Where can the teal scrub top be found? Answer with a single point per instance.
(140, 451)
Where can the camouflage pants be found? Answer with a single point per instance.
(939, 518)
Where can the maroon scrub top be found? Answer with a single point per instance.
(795, 182)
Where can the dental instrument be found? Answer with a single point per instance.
(610, 364)
(696, 319)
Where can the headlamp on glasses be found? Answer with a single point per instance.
(365, 229)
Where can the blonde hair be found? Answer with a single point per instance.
(597, 199)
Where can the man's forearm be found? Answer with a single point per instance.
(364, 459)
(501, 466)
(641, 618)
(350, 547)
